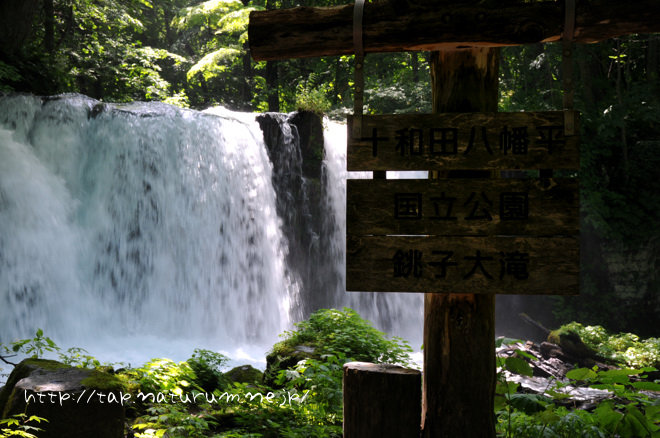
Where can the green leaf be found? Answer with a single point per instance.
(506, 387)
(519, 366)
(556, 395)
(646, 386)
(526, 354)
(548, 416)
(581, 374)
(607, 417)
(500, 403)
(635, 424)
(619, 372)
(529, 403)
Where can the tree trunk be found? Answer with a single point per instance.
(652, 58)
(459, 330)
(16, 18)
(49, 26)
(272, 79)
(272, 85)
(246, 84)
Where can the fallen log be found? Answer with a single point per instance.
(404, 25)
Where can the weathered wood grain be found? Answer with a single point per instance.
(381, 400)
(553, 265)
(400, 25)
(463, 207)
(459, 329)
(522, 140)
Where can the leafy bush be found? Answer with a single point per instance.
(163, 376)
(624, 348)
(345, 333)
(173, 420)
(206, 365)
(313, 100)
(629, 413)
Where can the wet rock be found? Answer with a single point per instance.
(76, 402)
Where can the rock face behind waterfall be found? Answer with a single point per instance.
(77, 402)
(295, 146)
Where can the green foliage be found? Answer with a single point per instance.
(205, 15)
(624, 348)
(8, 76)
(173, 420)
(35, 347)
(323, 380)
(313, 100)
(345, 333)
(212, 65)
(20, 425)
(629, 413)
(164, 376)
(207, 366)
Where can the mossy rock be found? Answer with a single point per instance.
(245, 374)
(571, 344)
(284, 356)
(77, 402)
(22, 370)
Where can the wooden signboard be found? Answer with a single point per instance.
(490, 265)
(463, 207)
(465, 141)
(492, 236)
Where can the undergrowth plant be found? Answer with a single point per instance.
(20, 425)
(626, 349)
(344, 332)
(632, 411)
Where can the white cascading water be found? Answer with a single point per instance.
(399, 314)
(145, 230)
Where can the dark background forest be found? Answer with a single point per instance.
(196, 54)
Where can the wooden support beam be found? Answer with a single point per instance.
(404, 25)
(459, 329)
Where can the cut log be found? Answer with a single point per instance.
(381, 401)
(400, 25)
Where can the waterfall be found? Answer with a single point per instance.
(151, 228)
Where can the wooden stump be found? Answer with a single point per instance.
(381, 401)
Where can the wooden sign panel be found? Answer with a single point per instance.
(467, 207)
(491, 265)
(524, 140)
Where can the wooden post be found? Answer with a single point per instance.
(381, 401)
(459, 330)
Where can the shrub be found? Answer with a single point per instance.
(344, 332)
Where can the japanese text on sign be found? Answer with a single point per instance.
(411, 262)
(463, 141)
(478, 206)
(445, 141)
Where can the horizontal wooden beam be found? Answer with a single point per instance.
(463, 207)
(406, 25)
(480, 265)
(522, 140)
